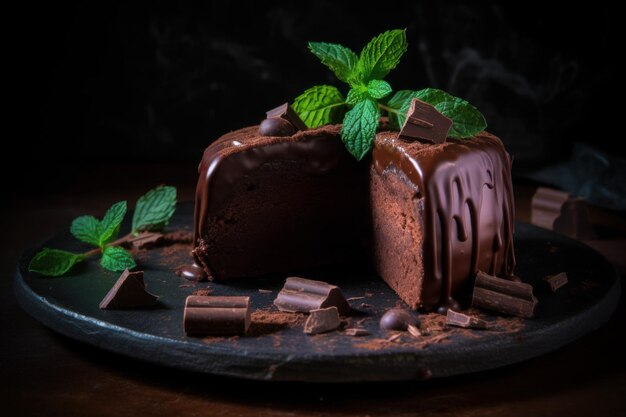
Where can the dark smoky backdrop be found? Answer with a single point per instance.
(128, 82)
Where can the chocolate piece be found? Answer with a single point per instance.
(455, 318)
(556, 281)
(397, 319)
(557, 210)
(276, 127)
(216, 315)
(423, 121)
(357, 332)
(503, 296)
(191, 272)
(129, 291)
(146, 240)
(304, 295)
(285, 111)
(322, 320)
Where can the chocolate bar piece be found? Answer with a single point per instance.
(303, 295)
(322, 320)
(209, 315)
(559, 211)
(556, 281)
(503, 296)
(424, 121)
(455, 318)
(129, 291)
(286, 112)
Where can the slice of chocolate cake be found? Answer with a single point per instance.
(427, 216)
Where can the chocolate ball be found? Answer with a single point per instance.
(397, 319)
(276, 126)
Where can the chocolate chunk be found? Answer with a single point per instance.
(397, 319)
(455, 318)
(559, 211)
(303, 295)
(322, 320)
(285, 111)
(216, 315)
(556, 281)
(423, 121)
(129, 291)
(503, 296)
(276, 127)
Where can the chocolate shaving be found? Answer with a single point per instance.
(322, 320)
(129, 291)
(146, 239)
(455, 318)
(503, 296)
(413, 330)
(207, 315)
(556, 281)
(304, 295)
(357, 332)
(424, 121)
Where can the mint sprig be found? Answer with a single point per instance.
(153, 212)
(365, 75)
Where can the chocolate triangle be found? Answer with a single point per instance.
(128, 292)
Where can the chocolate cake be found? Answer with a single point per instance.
(427, 216)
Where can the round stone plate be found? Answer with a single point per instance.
(277, 348)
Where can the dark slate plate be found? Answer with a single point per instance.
(69, 305)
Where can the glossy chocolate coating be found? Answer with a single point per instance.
(397, 319)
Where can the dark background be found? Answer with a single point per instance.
(134, 82)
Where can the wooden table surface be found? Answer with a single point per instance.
(47, 374)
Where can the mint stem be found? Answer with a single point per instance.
(118, 242)
(388, 109)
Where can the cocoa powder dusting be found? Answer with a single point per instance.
(203, 291)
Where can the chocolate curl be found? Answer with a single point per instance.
(208, 315)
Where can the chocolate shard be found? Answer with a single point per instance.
(503, 296)
(556, 281)
(146, 240)
(424, 121)
(303, 295)
(557, 210)
(455, 318)
(356, 332)
(322, 320)
(209, 315)
(285, 111)
(129, 291)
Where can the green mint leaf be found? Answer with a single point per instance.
(341, 60)
(110, 224)
(433, 96)
(356, 94)
(467, 121)
(154, 209)
(86, 229)
(359, 128)
(378, 89)
(54, 262)
(399, 105)
(117, 259)
(381, 55)
(320, 105)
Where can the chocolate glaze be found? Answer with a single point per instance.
(463, 195)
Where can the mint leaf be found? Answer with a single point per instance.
(53, 262)
(154, 209)
(378, 89)
(115, 258)
(467, 121)
(382, 55)
(86, 229)
(359, 128)
(341, 60)
(433, 96)
(320, 105)
(398, 107)
(356, 94)
(110, 224)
